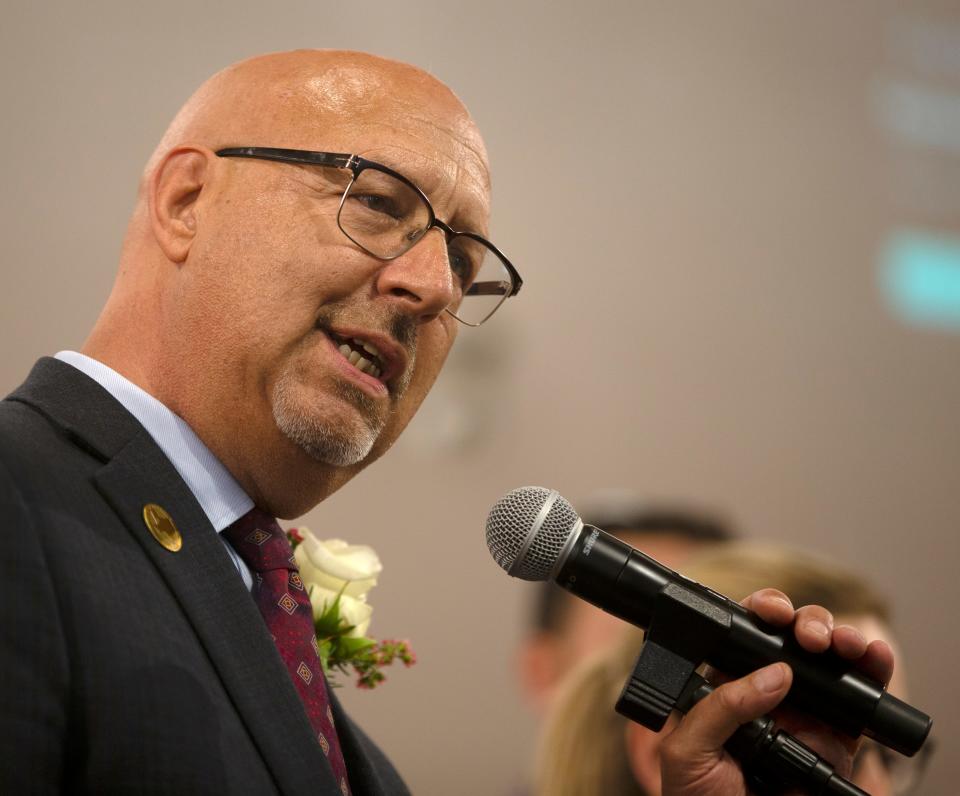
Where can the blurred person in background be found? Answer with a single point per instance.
(563, 629)
(588, 748)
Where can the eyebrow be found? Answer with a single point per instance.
(463, 219)
(468, 216)
(461, 222)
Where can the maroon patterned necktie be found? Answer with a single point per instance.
(284, 603)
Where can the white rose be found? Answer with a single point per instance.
(335, 565)
(353, 611)
(327, 567)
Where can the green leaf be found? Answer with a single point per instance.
(354, 646)
(329, 622)
(340, 651)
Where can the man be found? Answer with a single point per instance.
(227, 380)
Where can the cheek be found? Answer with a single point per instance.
(872, 777)
(260, 278)
(434, 346)
(240, 322)
(432, 350)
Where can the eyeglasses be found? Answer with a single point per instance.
(385, 214)
(904, 773)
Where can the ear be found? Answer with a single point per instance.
(174, 190)
(643, 755)
(539, 668)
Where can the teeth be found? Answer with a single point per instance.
(366, 366)
(370, 349)
(360, 362)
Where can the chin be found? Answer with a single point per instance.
(333, 444)
(338, 441)
(335, 450)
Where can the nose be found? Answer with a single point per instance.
(421, 278)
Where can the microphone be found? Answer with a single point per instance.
(535, 534)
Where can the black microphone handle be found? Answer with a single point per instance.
(624, 582)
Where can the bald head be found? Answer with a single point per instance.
(238, 297)
(288, 99)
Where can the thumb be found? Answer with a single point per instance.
(695, 748)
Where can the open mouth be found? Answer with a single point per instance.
(363, 355)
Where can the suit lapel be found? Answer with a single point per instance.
(370, 771)
(223, 615)
(200, 575)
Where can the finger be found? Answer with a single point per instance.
(714, 719)
(813, 628)
(877, 662)
(849, 643)
(875, 658)
(770, 605)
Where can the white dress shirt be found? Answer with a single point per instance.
(217, 492)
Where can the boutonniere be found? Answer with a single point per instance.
(338, 576)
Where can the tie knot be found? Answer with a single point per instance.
(260, 542)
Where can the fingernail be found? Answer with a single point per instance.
(784, 601)
(818, 627)
(769, 679)
(856, 632)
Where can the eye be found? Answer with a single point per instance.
(385, 205)
(462, 263)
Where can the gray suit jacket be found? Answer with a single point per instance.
(126, 668)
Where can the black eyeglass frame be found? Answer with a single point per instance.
(357, 164)
(890, 760)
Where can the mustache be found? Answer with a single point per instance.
(400, 326)
(403, 329)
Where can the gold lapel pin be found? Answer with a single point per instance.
(161, 525)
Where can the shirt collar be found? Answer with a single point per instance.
(218, 493)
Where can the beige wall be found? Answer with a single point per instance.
(696, 194)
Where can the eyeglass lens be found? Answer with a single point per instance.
(387, 217)
(876, 767)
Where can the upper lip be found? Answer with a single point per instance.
(392, 355)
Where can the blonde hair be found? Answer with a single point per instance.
(583, 750)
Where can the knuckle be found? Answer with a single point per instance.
(730, 698)
(671, 750)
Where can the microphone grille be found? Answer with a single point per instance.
(522, 542)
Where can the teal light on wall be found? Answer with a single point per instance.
(920, 277)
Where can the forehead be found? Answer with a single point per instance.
(458, 194)
(413, 125)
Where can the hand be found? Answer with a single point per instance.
(693, 760)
